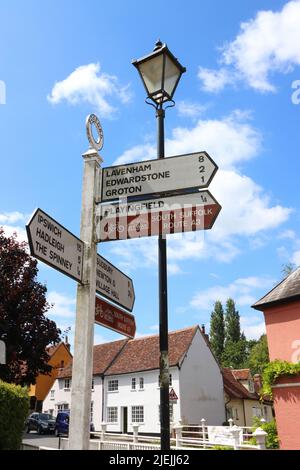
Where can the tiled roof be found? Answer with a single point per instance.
(234, 388)
(103, 355)
(51, 349)
(288, 289)
(143, 353)
(241, 374)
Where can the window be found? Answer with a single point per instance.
(63, 407)
(232, 413)
(256, 412)
(113, 385)
(266, 413)
(112, 414)
(52, 394)
(133, 383)
(141, 383)
(137, 414)
(251, 386)
(92, 411)
(67, 383)
(93, 385)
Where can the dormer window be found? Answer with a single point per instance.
(251, 386)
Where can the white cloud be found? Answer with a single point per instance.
(137, 153)
(287, 234)
(214, 81)
(11, 217)
(242, 290)
(253, 327)
(229, 141)
(86, 84)
(9, 221)
(64, 305)
(266, 44)
(246, 210)
(188, 109)
(296, 258)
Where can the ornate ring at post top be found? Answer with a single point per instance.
(90, 120)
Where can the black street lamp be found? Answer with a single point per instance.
(160, 72)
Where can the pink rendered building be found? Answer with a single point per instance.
(281, 308)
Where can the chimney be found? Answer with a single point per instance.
(257, 382)
(67, 343)
(206, 336)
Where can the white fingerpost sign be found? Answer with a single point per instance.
(53, 244)
(113, 284)
(191, 171)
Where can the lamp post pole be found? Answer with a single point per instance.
(160, 72)
(163, 308)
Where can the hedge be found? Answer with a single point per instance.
(14, 407)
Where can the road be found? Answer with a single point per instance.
(34, 439)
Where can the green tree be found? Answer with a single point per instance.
(217, 330)
(232, 323)
(259, 356)
(235, 354)
(24, 327)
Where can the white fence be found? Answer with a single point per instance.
(196, 437)
(185, 437)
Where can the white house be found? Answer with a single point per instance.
(126, 383)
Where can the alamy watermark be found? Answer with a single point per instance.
(2, 92)
(296, 94)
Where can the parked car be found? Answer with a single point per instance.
(41, 422)
(62, 423)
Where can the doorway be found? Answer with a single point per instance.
(124, 420)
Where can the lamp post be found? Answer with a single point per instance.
(160, 72)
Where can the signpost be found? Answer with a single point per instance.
(114, 318)
(194, 170)
(161, 216)
(172, 396)
(113, 284)
(53, 244)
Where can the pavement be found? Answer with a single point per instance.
(34, 439)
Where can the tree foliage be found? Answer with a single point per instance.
(235, 354)
(232, 322)
(217, 330)
(259, 356)
(24, 327)
(229, 343)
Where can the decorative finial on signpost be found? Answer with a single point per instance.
(96, 144)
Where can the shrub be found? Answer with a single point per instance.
(14, 406)
(217, 447)
(274, 370)
(272, 441)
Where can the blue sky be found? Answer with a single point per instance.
(238, 100)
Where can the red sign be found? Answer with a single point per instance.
(172, 395)
(177, 214)
(114, 318)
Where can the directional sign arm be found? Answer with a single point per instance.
(53, 244)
